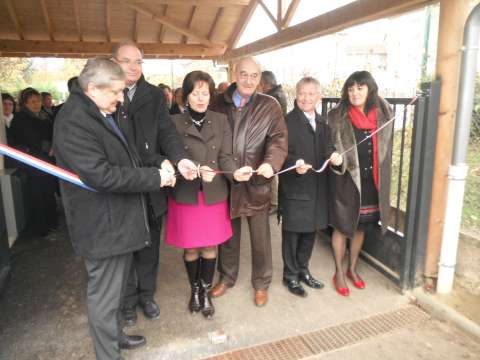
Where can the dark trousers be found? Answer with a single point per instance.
(142, 280)
(261, 247)
(296, 252)
(106, 283)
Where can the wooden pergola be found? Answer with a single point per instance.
(193, 29)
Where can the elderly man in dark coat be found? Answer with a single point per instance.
(303, 193)
(105, 225)
(259, 142)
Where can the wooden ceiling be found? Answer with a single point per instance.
(194, 29)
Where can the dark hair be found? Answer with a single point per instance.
(268, 77)
(192, 78)
(360, 78)
(45, 94)
(164, 86)
(26, 94)
(70, 83)
(6, 96)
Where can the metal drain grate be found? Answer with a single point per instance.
(328, 339)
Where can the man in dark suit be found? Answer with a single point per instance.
(109, 222)
(144, 118)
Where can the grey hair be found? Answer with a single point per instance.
(100, 72)
(249, 58)
(308, 80)
(121, 44)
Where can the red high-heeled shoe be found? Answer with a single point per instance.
(359, 284)
(344, 291)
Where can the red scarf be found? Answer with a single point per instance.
(367, 122)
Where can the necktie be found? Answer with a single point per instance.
(243, 101)
(126, 99)
(115, 127)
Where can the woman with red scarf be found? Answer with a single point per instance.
(360, 187)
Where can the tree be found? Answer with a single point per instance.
(15, 74)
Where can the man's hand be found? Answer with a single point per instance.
(167, 178)
(168, 167)
(302, 168)
(188, 169)
(207, 173)
(243, 174)
(336, 159)
(265, 170)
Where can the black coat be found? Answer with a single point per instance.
(303, 199)
(114, 220)
(277, 92)
(151, 129)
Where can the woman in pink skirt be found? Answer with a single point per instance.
(198, 213)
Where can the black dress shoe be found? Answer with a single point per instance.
(294, 287)
(150, 309)
(128, 342)
(129, 314)
(311, 281)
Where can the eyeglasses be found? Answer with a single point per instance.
(245, 76)
(130, 62)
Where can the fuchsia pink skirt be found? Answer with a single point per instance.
(197, 225)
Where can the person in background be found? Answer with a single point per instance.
(167, 91)
(178, 106)
(222, 87)
(31, 135)
(360, 189)
(260, 141)
(8, 103)
(303, 193)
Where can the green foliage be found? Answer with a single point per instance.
(15, 74)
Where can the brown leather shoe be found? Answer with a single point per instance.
(261, 297)
(218, 290)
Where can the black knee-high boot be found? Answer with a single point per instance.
(193, 271)
(207, 272)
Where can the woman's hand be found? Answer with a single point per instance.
(302, 168)
(207, 174)
(243, 174)
(336, 159)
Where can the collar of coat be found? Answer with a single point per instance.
(228, 94)
(142, 95)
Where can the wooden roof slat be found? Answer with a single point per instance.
(279, 12)
(14, 17)
(290, 12)
(108, 20)
(77, 19)
(62, 48)
(171, 24)
(46, 17)
(269, 14)
(190, 21)
(136, 26)
(216, 3)
(355, 13)
(161, 31)
(242, 24)
(218, 15)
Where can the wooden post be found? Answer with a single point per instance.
(453, 14)
(231, 77)
(3, 135)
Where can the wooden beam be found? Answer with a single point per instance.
(242, 24)
(215, 23)
(77, 19)
(135, 27)
(13, 15)
(279, 11)
(355, 13)
(171, 24)
(215, 3)
(189, 25)
(89, 49)
(47, 20)
(108, 20)
(161, 31)
(290, 12)
(269, 14)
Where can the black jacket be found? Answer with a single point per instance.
(113, 220)
(277, 92)
(151, 129)
(303, 198)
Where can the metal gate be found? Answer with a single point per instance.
(399, 253)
